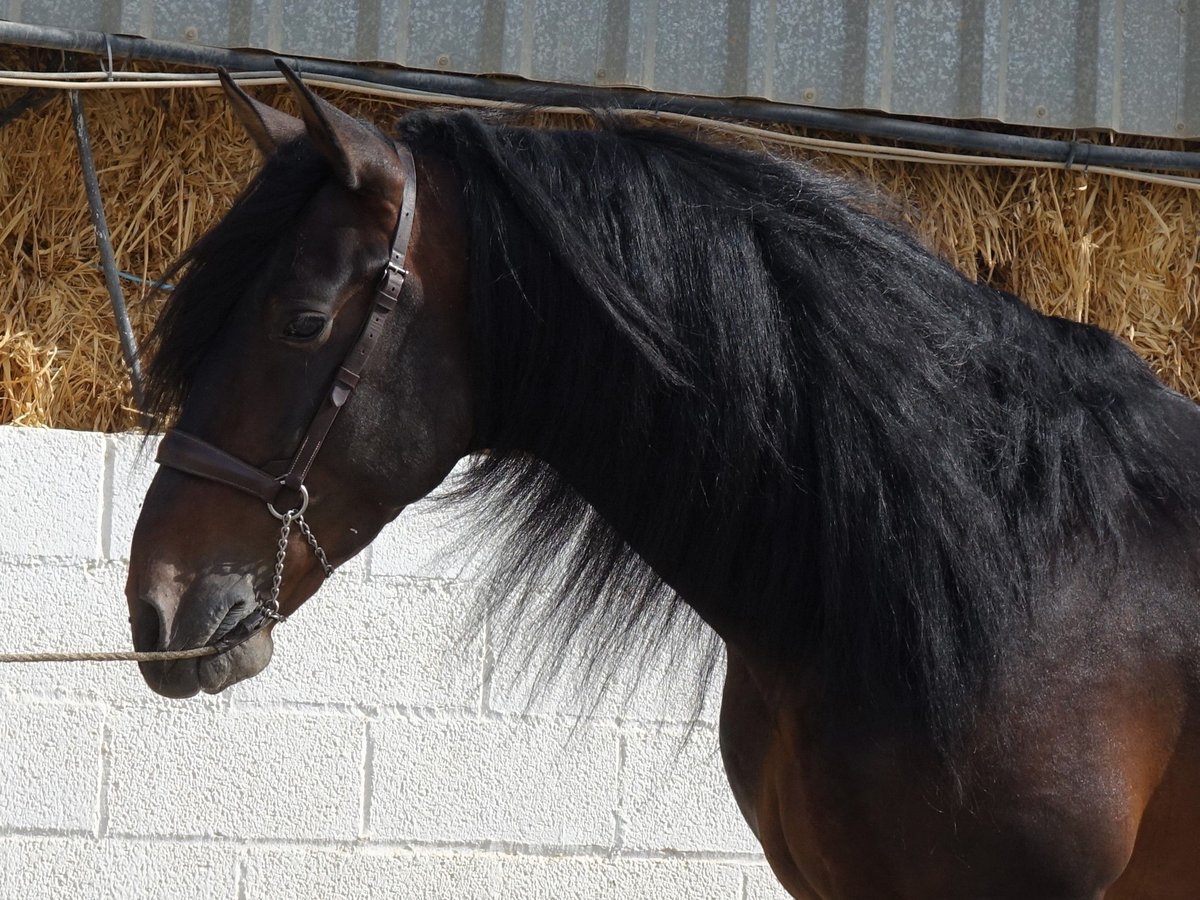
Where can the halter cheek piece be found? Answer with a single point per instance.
(188, 453)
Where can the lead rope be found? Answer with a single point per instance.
(269, 607)
(116, 656)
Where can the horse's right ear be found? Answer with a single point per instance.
(357, 152)
(267, 126)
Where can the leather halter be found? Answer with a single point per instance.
(188, 453)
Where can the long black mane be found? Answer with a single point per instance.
(868, 458)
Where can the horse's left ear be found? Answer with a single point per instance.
(268, 127)
(355, 151)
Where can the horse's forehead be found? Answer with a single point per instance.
(335, 212)
(330, 232)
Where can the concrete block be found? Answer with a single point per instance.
(195, 772)
(64, 605)
(435, 538)
(52, 868)
(51, 766)
(761, 884)
(541, 878)
(427, 540)
(385, 642)
(472, 780)
(370, 872)
(374, 872)
(133, 468)
(55, 604)
(674, 794)
(50, 504)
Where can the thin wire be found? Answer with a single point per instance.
(162, 80)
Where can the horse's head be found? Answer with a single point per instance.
(272, 310)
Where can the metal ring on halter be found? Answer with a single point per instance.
(299, 511)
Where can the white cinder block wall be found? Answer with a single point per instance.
(381, 754)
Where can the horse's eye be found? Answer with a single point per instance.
(304, 327)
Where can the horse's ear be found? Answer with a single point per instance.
(354, 150)
(267, 126)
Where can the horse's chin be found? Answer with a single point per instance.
(244, 661)
(184, 678)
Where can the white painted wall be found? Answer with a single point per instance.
(379, 755)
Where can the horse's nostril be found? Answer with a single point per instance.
(147, 625)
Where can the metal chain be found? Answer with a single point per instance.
(270, 606)
(316, 548)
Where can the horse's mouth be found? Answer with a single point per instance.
(183, 678)
(215, 673)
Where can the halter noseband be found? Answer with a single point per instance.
(188, 453)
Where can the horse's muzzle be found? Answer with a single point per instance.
(211, 610)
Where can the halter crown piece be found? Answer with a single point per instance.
(188, 453)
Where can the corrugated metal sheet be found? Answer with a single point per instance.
(1128, 66)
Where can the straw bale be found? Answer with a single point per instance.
(1119, 253)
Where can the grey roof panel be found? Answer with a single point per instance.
(1131, 67)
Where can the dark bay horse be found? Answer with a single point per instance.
(948, 543)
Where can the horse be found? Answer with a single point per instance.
(948, 543)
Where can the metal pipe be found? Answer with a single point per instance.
(107, 261)
(1068, 153)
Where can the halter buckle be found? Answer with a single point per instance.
(391, 282)
(395, 267)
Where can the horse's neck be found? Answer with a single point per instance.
(683, 546)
